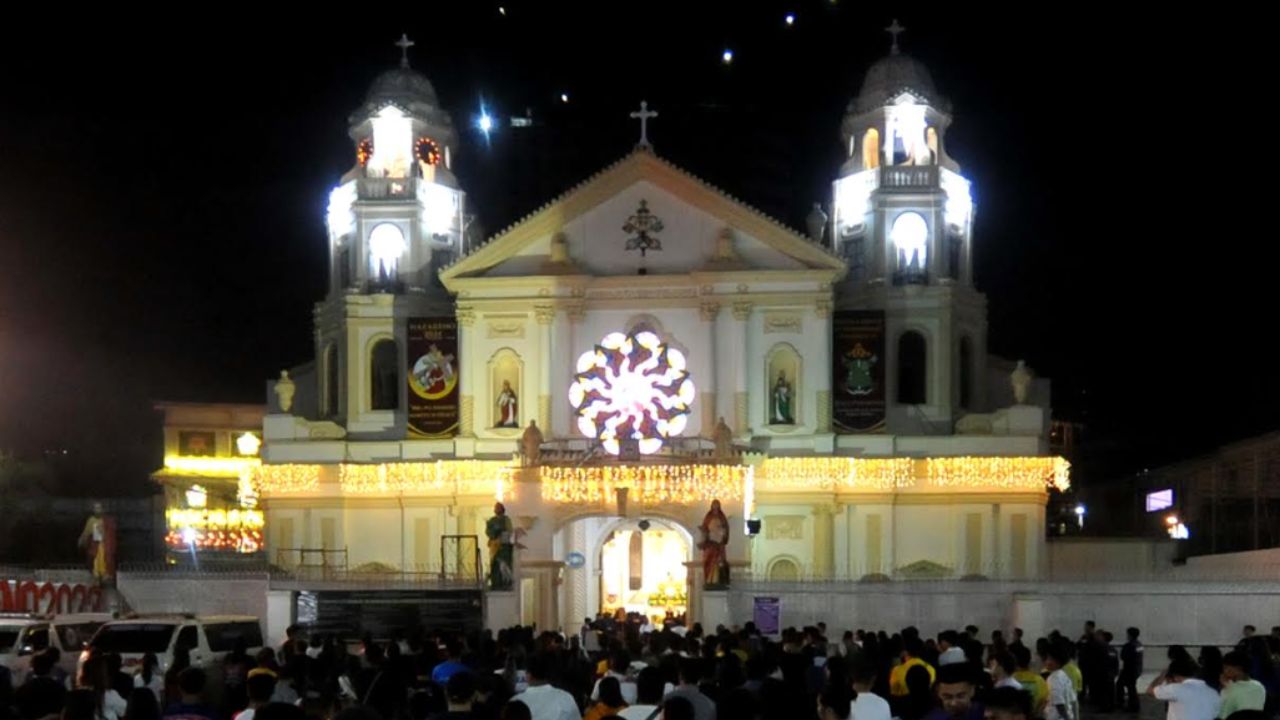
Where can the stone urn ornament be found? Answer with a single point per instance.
(285, 388)
(1020, 380)
(816, 223)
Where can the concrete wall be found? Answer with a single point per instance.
(201, 594)
(1201, 613)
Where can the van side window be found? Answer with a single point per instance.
(38, 638)
(187, 638)
(223, 637)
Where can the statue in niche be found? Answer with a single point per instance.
(285, 389)
(531, 444)
(715, 537)
(501, 533)
(1020, 381)
(508, 407)
(782, 399)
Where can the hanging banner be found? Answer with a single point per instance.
(766, 613)
(857, 383)
(433, 377)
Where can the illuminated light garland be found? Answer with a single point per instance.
(646, 484)
(285, 479)
(632, 386)
(213, 519)
(245, 540)
(999, 473)
(208, 466)
(836, 473)
(463, 477)
(234, 529)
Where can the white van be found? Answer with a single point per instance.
(207, 638)
(23, 636)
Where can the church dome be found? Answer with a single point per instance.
(890, 76)
(403, 87)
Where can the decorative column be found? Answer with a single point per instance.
(575, 313)
(544, 315)
(708, 311)
(824, 546)
(822, 381)
(558, 372)
(738, 357)
(467, 384)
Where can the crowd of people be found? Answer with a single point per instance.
(628, 669)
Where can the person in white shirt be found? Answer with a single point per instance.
(949, 644)
(866, 705)
(619, 662)
(1063, 702)
(544, 701)
(649, 691)
(1189, 697)
(150, 677)
(1002, 666)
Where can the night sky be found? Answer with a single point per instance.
(163, 183)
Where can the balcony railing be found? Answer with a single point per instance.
(368, 188)
(908, 177)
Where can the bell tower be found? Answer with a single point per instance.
(394, 219)
(903, 221)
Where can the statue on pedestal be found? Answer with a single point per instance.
(501, 533)
(715, 537)
(531, 444)
(285, 389)
(1020, 380)
(98, 542)
(722, 436)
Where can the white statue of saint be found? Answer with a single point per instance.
(508, 407)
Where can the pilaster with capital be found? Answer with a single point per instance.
(822, 378)
(738, 350)
(466, 318)
(824, 546)
(709, 310)
(545, 315)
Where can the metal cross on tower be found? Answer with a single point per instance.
(643, 116)
(404, 43)
(895, 30)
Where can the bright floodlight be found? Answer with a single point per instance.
(791, 18)
(564, 97)
(485, 123)
(727, 56)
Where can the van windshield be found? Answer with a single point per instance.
(134, 637)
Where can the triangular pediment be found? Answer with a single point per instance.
(587, 231)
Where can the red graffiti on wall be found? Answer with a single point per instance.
(26, 596)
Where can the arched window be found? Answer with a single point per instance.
(912, 369)
(910, 237)
(871, 149)
(386, 246)
(931, 139)
(384, 368)
(331, 380)
(784, 570)
(966, 374)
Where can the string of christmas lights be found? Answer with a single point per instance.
(1003, 473)
(646, 484)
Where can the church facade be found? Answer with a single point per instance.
(641, 346)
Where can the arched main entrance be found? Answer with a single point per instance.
(642, 568)
(603, 562)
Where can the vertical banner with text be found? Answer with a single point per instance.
(857, 366)
(433, 377)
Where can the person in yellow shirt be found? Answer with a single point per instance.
(912, 649)
(1030, 680)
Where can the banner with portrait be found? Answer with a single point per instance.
(433, 377)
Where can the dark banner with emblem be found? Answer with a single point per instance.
(433, 377)
(857, 383)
